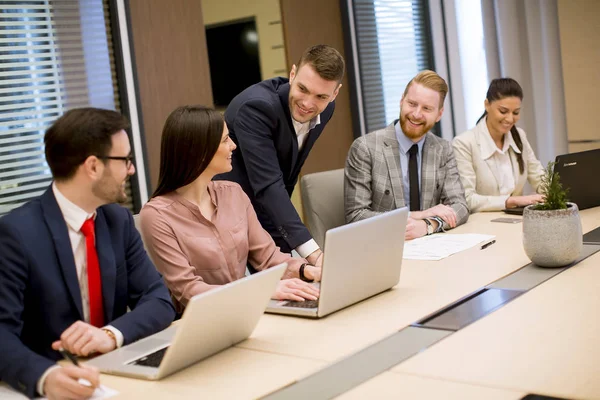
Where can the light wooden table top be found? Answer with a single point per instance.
(284, 349)
(231, 374)
(425, 286)
(392, 385)
(545, 341)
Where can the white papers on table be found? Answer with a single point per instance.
(436, 247)
(8, 393)
(103, 392)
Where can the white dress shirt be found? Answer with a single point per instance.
(502, 161)
(302, 130)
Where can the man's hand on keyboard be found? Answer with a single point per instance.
(295, 289)
(312, 272)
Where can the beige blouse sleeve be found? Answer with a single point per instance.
(168, 257)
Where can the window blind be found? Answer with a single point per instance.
(54, 56)
(393, 45)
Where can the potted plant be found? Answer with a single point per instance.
(552, 235)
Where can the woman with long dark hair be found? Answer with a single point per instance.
(494, 158)
(202, 233)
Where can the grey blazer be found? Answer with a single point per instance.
(373, 178)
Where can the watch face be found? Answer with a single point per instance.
(429, 227)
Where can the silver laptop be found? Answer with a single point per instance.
(212, 321)
(361, 260)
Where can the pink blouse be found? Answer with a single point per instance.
(194, 254)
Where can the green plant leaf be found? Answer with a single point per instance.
(553, 191)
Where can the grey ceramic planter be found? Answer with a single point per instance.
(552, 238)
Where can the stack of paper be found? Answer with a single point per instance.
(436, 247)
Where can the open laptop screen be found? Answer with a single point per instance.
(579, 173)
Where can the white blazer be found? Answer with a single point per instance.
(480, 177)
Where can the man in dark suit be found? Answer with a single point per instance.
(71, 263)
(275, 124)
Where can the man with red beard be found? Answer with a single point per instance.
(405, 165)
(275, 124)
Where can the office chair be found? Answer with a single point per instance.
(323, 201)
(136, 221)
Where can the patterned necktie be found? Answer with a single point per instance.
(93, 273)
(413, 179)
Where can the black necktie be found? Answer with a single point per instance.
(413, 179)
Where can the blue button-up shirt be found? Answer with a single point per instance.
(405, 145)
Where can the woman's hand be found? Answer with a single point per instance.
(522, 201)
(295, 289)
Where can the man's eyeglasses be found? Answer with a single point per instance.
(128, 160)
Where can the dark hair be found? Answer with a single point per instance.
(327, 62)
(78, 134)
(501, 88)
(190, 138)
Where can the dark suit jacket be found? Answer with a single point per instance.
(267, 162)
(39, 291)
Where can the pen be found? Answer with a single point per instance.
(488, 244)
(67, 355)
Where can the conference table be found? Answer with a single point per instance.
(541, 342)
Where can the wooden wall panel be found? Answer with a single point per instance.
(171, 63)
(306, 23)
(579, 25)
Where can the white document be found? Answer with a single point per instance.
(439, 246)
(8, 393)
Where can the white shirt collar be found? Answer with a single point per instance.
(488, 147)
(311, 124)
(74, 215)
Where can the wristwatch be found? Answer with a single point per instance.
(440, 227)
(301, 274)
(110, 335)
(429, 226)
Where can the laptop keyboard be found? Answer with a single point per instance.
(152, 359)
(302, 304)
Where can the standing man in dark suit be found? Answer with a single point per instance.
(71, 263)
(275, 123)
(405, 164)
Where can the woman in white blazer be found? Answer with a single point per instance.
(494, 158)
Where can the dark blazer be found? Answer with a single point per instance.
(267, 162)
(39, 291)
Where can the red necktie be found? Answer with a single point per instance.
(93, 273)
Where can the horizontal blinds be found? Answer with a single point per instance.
(393, 43)
(54, 56)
